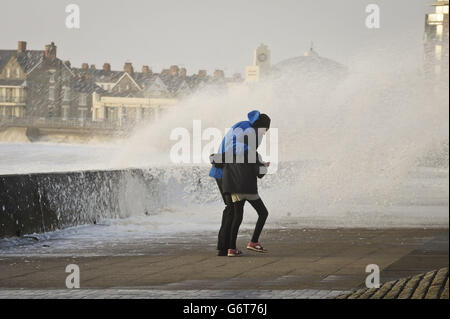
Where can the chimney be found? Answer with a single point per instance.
(93, 66)
(50, 51)
(219, 74)
(183, 72)
(128, 67)
(146, 69)
(107, 67)
(174, 70)
(85, 66)
(22, 46)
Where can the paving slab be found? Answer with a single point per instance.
(319, 260)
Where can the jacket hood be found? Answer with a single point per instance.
(253, 116)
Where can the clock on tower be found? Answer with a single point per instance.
(262, 58)
(261, 64)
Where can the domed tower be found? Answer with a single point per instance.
(310, 65)
(311, 52)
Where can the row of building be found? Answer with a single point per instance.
(37, 84)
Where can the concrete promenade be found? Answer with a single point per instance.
(301, 263)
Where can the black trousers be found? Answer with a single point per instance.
(227, 219)
(260, 208)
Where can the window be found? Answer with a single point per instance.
(51, 93)
(66, 94)
(442, 9)
(82, 99)
(8, 111)
(65, 110)
(83, 114)
(435, 17)
(19, 95)
(9, 95)
(52, 76)
(439, 30)
(17, 73)
(18, 111)
(8, 73)
(438, 51)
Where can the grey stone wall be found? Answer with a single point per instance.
(36, 203)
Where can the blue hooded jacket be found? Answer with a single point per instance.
(231, 141)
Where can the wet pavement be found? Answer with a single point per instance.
(301, 263)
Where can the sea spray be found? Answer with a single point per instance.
(347, 138)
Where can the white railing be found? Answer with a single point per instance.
(62, 123)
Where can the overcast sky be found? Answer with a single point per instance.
(211, 34)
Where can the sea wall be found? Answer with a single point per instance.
(43, 202)
(35, 203)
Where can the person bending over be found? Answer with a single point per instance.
(236, 168)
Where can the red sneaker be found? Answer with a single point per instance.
(234, 252)
(256, 247)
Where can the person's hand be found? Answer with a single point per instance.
(267, 164)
